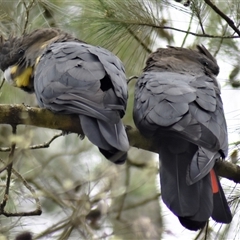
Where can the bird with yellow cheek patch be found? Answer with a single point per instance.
(72, 77)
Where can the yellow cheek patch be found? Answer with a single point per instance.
(23, 80)
(13, 70)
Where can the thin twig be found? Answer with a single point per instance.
(66, 233)
(205, 35)
(220, 42)
(145, 47)
(46, 144)
(38, 210)
(222, 15)
(136, 164)
(9, 172)
(53, 228)
(27, 8)
(49, 193)
(3, 81)
(33, 147)
(196, 8)
(127, 182)
(189, 27)
(206, 230)
(143, 202)
(21, 214)
(131, 78)
(199, 234)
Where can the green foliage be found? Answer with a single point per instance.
(128, 28)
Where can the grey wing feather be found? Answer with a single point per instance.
(105, 135)
(90, 128)
(202, 163)
(108, 137)
(114, 134)
(115, 69)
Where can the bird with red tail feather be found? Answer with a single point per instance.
(178, 104)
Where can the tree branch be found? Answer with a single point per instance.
(21, 114)
(205, 35)
(222, 15)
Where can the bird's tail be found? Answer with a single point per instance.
(110, 138)
(192, 204)
(221, 211)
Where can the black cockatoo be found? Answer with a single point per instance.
(178, 104)
(70, 76)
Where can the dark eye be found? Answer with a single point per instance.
(205, 63)
(20, 52)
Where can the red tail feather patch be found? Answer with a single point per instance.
(214, 181)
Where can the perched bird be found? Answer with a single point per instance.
(70, 76)
(177, 103)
